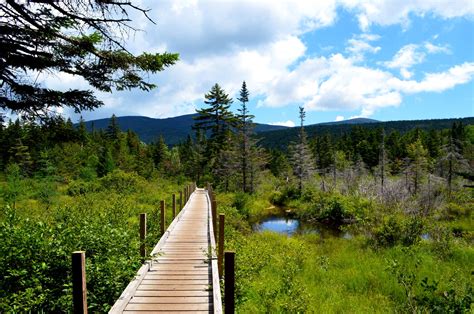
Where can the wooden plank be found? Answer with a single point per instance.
(189, 293)
(169, 307)
(180, 272)
(161, 312)
(182, 287)
(171, 300)
(175, 277)
(174, 282)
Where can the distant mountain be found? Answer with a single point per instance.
(176, 129)
(173, 129)
(280, 139)
(351, 121)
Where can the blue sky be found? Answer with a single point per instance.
(386, 60)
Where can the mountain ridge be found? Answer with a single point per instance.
(176, 129)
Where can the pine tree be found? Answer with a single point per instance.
(245, 127)
(113, 129)
(217, 118)
(82, 38)
(301, 157)
(418, 162)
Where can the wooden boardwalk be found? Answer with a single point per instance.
(182, 274)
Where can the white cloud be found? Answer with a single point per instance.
(432, 48)
(358, 45)
(405, 58)
(390, 12)
(260, 42)
(288, 123)
(339, 118)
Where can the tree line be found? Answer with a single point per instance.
(225, 150)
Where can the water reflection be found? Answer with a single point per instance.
(291, 226)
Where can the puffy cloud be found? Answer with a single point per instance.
(359, 45)
(390, 12)
(260, 42)
(405, 58)
(339, 118)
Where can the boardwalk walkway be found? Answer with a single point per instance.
(182, 275)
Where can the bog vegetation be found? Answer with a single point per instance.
(406, 200)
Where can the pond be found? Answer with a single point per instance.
(291, 226)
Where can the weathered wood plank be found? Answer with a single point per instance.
(174, 282)
(181, 287)
(166, 293)
(169, 307)
(171, 300)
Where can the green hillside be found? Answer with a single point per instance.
(281, 138)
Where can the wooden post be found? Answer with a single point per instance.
(174, 206)
(214, 218)
(220, 255)
(180, 200)
(229, 282)
(143, 236)
(162, 208)
(185, 197)
(79, 289)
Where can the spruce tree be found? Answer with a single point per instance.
(245, 126)
(82, 38)
(216, 119)
(301, 157)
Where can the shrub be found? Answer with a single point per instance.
(122, 182)
(76, 188)
(396, 230)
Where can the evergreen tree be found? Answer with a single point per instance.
(113, 129)
(418, 162)
(217, 118)
(301, 157)
(74, 37)
(245, 127)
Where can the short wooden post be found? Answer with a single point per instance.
(214, 218)
(185, 197)
(79, 289)
(143, 236)
(229, 282)
(180, 200)
(220, 255)
(162, 208)
(174, 206)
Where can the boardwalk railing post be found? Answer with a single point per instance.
(143, 236)
(79, 289)
(180, 200)
(220, 254)
(214, 218)
(229, 282)
(162, 223)
(174, 205)
(185, 197)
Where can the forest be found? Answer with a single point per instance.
(398, 207)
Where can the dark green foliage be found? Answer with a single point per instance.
(35, 261)
(74, 37)
(394, 230)
(217, 119)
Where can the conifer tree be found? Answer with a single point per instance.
(78, 37)
(217, 118)
(301, 157)
(113, 129)
(245, 127)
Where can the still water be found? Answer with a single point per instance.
(292, 226)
